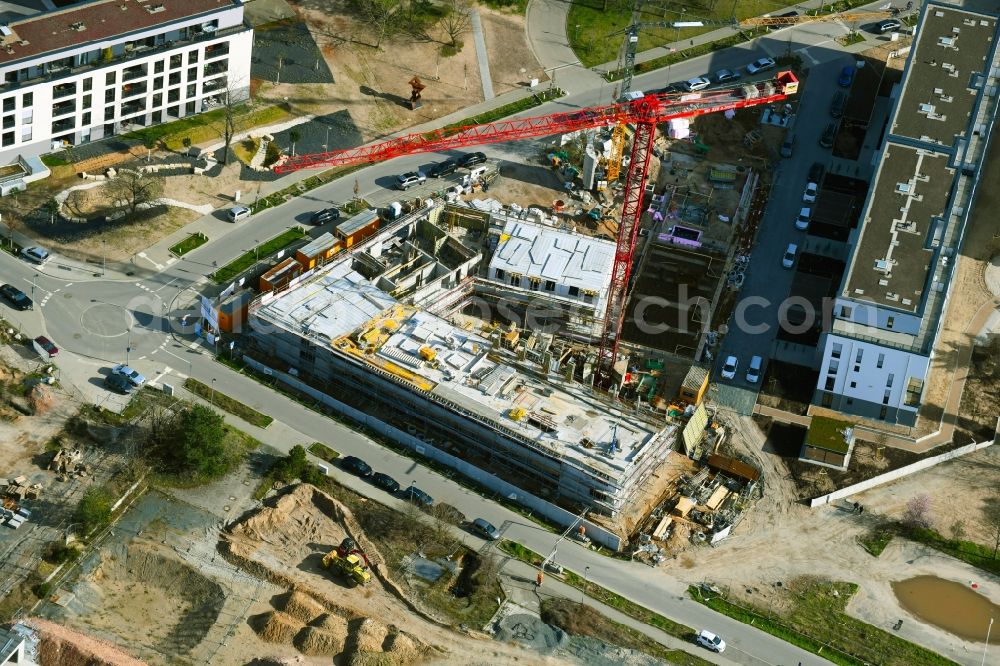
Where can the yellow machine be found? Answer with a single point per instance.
(351, 566)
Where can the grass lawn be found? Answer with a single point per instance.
(205, 127)
(223, 401)
(509, 109)
(878, 538)
(231, 270)
(141, 401)
(323, 451)
(975, 554)
(246, 149)
(817, 622)
(192, 242)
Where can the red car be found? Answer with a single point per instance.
(44, 347)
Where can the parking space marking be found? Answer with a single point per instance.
(810, 57)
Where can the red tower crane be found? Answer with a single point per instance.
(644, 113)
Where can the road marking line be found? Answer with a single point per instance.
(142, 255)
(171, 260)
(194, 344)
(805, 52)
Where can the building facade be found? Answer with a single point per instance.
(103, 68)
(891, 302)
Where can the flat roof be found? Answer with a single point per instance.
(563, 257)
(357, 222)
(906, 211)
(339, 309)
(952, 46)
(94, 22)
(826, 433)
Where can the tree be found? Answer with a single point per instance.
(916, 515)
(186, 142)
(94, 510)
(227, 125)
(131, 189)
(294, 137)
(991, 516)
(197, 443)
(457, 20)
(381, 15)
(74, 202)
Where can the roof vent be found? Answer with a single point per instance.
(79, 26)
(23, 42)
(155, 9)
(5, 31)
(124, 6)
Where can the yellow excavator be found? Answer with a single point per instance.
(350, 561)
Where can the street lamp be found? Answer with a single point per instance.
(583, 592)
(33, 277)
(256, 248)
(213, 391)
(326, 146)
(987, 646)
(104, 257)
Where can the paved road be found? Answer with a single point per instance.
(95, 320)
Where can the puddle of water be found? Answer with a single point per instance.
(948, 605)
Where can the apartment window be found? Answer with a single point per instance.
(174, 111)
(7, 139)
(890, 321)
(533, 282)
(109, 112)
(515, 280)
(888, 382)
(885, 398)
(883, 412)
(175, 61)
(174, 95)
(26, 134)
(88, 83)
(861, 353)
(109, 95)
(837, 349)
(829, 383)
(175, 79)
(850, 401)
(109, 78)
(27, 99)
(109, 129)
(157, 116)
(158, 83)
(550, 285)
(881, 360)
(574, 291)
(158, 67)
(9, 104)
(86, 102)
(192, 91)
(827, 400)
(499, 274)
(86, 118)
(846, 311)
(189, 108)
(157, 100)
(193, 74)
(914, 387)
(854, 385)
(192, 56)
(8, 121)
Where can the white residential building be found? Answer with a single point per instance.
(102, 68)
(890, 306)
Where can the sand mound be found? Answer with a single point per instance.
(369, 636)
(65, 647)
(403, 648)
(314, 641)
(277, 627)
(303, 607)
(331, 622)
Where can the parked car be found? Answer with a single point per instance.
(356, 466)
(729, 367)
(39, 255)
(711, 641)
(631, 96)
(324, 216)
(802, 221)
(418, 497)
(409, 179)
(838, 103)
(760, 65)
(816, 172)
(443, 169)
(47, 347)
(753, 370)
(697, 83)
(130, 374)
(846, 77)
(118, 384)
(385, 482)
(829, 135)
(471, 159)
(788, 259)
(237, 213)
(788, 145)
(809, 195)
(16, 297)
(726, 75)
(484, 529)
(889, 25)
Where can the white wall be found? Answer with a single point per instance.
(865, 380)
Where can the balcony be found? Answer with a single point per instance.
(64, 90)
(133, 73)
(64, 125)
(213, 85)
(63, 108)
(212, 69)
(133, 89)
(131, 108)
(216, 50)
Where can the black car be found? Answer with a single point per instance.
(829, 134)
(118, 383)
(418, 497)
(16, 297)
(356, 466)
(816, 172)
(385, 482)
(471, 159)
(324, 216)
(443, 169)
(838, 103)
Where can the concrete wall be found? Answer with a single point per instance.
(897, 473)
(547, 509)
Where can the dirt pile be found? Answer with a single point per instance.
(303, 607)
(277, 627)
(41, 399)
(315, 641)
(60, 646)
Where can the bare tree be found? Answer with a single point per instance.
(383, 16)
(457, 20)
(991, 516)
(74, 200)
(917, 512)
(130, 190)
(230, 100)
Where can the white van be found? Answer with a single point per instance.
(237, 213)
(753, 370)
(476, 173)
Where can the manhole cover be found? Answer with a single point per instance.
(225, 508)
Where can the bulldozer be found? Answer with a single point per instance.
(349, 560)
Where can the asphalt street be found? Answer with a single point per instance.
(101, 321)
